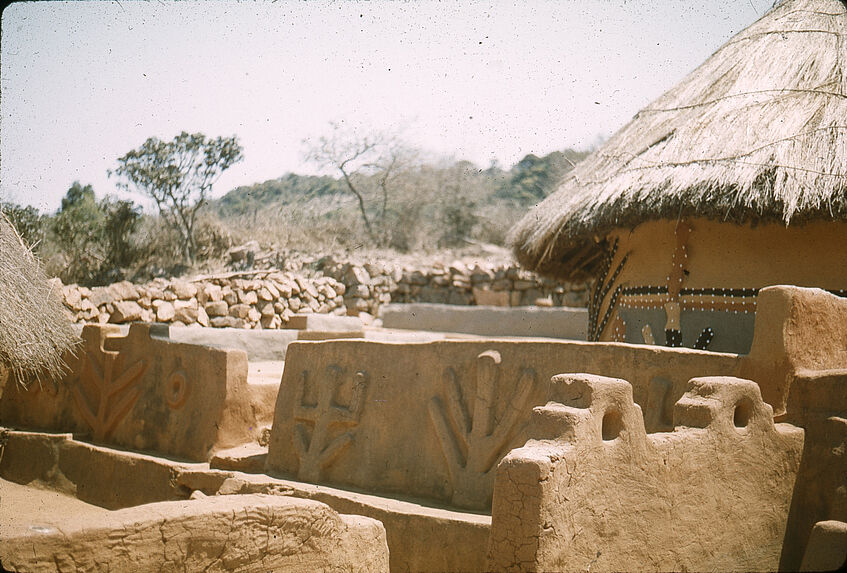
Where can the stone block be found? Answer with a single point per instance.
(186, 315)
(356, 275)
(165, 311)
(359, 290)
(486, 297)
(247, 297)
(217, 308)
(126, 311)
(266, 309)
(213, 293)
(307, 287)
(226, 322)
(202, 317)
(239, 310)
(100, 296)
(124, 290)
(190, 303)
(182, 289)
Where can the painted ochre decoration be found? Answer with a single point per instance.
(176, 389)
(596, 326)
(673, 298)
(116, 393)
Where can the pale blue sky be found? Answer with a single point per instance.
(84, 82)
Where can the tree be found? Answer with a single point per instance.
(94, 239)
(29, 223)
(461, 187)
(371, 167)
(178, 175)
(533, 178)
(121, 221)
(77, 231)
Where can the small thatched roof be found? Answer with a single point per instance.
(758, 132)
(34, 331)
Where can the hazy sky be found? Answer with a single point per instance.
(82, 83)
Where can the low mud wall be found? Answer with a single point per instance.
(433, 419)
(592, 490)
(560, 322)
(250, 533)
(146, 392)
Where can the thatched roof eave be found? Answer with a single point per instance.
(34, 331)
(757, 133)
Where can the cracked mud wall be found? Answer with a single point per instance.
(424, 424)
(144, 392)
(593, 490)
(249, 533)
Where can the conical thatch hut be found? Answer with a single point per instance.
(734, 180)
(34, 331)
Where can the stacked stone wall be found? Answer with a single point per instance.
(268, 298)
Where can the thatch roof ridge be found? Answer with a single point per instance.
(758, 132)
(34, 331)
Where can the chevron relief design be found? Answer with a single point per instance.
(115, 390)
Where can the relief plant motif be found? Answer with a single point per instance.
(116, 390)
(474, 445)
(315, 423)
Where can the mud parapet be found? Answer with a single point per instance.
(592, 490)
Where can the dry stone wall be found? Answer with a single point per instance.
(268, 299)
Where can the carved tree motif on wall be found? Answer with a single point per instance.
(116, 390)
(317, 421)
(474, 445)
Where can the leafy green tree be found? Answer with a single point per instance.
(30, 224)
(76, 231)
(121, 219)
(178, 175)
(92, 240)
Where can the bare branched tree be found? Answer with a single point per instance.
(372, 168)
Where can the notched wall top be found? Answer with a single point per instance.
(145, 392)
(592, 489)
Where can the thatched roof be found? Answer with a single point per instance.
(34, 331)
(758, 132)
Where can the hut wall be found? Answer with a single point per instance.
(723, 266)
